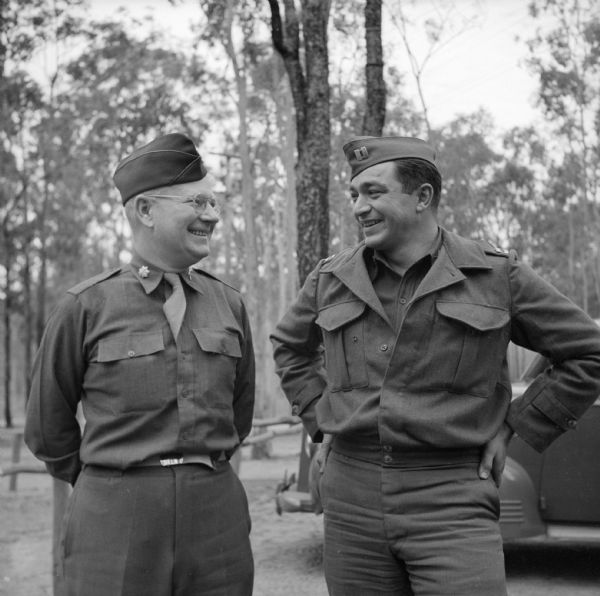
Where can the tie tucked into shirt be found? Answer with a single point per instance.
(174, 306)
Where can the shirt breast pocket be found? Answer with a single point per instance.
(131, 370)
(470, 346)
(343, 332)
(220, 354)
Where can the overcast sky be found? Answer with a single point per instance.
(483, 66)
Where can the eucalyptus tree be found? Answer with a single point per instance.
(300, 38)
(375, 91)
(565, 56)
(24, 29)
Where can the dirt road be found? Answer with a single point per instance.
(287, 549)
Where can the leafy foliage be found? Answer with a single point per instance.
(113, 85)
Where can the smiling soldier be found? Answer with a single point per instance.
(413, 393)
(160, 356)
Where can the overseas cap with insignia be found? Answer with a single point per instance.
(364, 152)
(167, 160)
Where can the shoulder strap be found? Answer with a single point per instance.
(92, 281)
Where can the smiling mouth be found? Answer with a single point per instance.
(370, 223)
(200, 233)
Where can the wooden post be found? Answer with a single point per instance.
(17, 440)
(61, 491)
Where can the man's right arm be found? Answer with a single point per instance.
(299, 358)
(52, 431)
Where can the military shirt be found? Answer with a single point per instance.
(109, 346)
(440, 378)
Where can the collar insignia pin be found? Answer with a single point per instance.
(143, 271)
(190, 269)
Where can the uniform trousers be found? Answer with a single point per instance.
(418, 525)
(181, 530)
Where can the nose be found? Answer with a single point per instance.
(361, 206)
(210, 213)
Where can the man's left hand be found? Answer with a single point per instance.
(493, 456)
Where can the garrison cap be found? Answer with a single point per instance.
(167, 160)
(364, 152)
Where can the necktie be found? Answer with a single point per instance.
(174, 306)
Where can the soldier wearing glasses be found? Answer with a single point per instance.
(160, 356)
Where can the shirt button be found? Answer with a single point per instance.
(387, 459)
(383, 347)
(295, 410)
(571, 423)
(387, 448)
(131, 353)
(354, 338)
(402, 300)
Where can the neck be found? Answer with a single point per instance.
(403, 256)
(149, 257)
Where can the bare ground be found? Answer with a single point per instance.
(287, 549)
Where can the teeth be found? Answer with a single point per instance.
(196, 233)
(368, 224)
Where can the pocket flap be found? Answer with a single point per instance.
(337, 315)
(218, 341)
(478, 316)
(131, 345)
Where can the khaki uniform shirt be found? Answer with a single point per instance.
(440, 378)
(109, 345)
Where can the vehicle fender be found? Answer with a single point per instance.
(519, 504)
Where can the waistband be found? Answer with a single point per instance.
(388, 455)
(178, 459)
(161, 464)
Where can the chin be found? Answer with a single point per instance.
(198, 256)
(372, 241)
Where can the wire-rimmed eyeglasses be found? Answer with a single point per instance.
(199, 202)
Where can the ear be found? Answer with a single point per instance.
(142, 208)
(424, 197)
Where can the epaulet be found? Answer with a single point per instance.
(207, 274)
(337, 259)
(491, 249)
(92, 281)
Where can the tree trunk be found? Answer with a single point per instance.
(7, 333)
(28, 320)
(226, 218)
(288, 279)
(248, 190)
(43, 274)
(571, 254)
(310, 90)
(374, 118)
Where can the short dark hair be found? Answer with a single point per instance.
(411, 173)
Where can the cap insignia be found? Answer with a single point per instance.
(361, 153)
